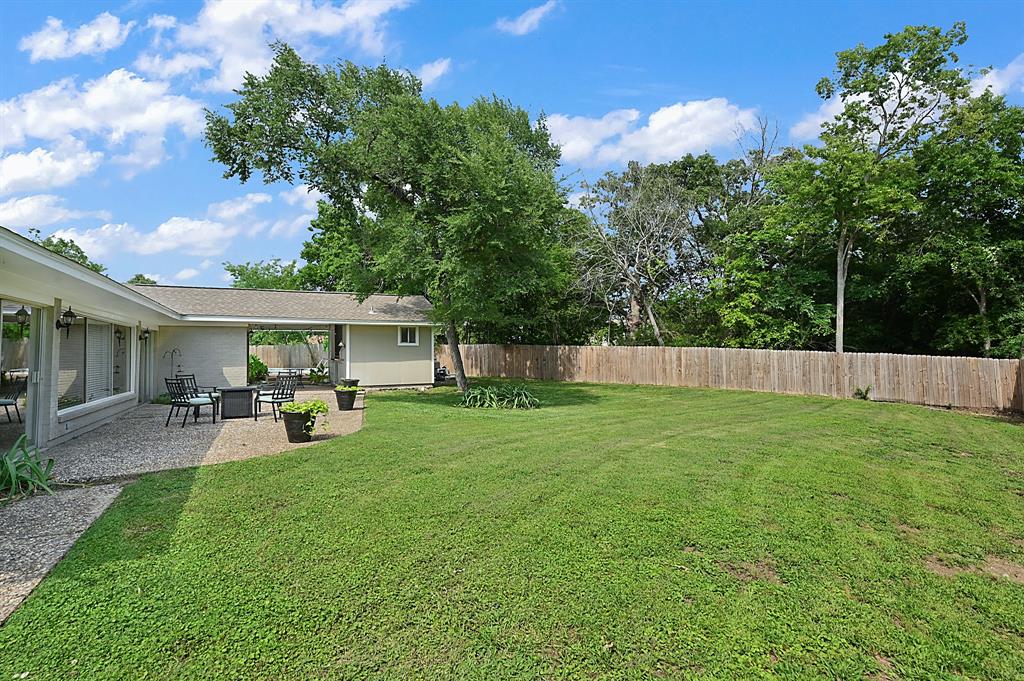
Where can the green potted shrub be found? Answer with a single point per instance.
(346, 396)
(349, 382)
(300, 418)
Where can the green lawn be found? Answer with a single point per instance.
(619, 532)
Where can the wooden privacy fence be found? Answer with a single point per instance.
(964, 382)
(295, 356)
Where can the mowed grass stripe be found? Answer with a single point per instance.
(616, 532)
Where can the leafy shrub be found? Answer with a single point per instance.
(319, 374)
(311, 408)
(347, 388)
(258, 371)
(501, 397)
(862, 393)
(22, 470)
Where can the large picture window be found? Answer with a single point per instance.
(95, 362)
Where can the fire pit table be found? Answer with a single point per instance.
(236, 402)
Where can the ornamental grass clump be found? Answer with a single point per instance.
(23, 471)
(501, 397)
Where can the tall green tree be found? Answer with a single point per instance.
(67, 248)
(852, 187)
(459, 204)
(270, 274)
(141, 279)
(969, 236)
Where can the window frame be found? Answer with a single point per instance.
(129, 383)
(416, 331)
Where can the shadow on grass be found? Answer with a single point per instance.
(141, 522)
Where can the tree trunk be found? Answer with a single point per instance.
(654, 325)
(451, 332)
(633, 318)
(983, 310)
(843, 253)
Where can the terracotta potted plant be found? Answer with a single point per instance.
(346, 396)
(300, 418)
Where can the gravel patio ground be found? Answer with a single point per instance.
(36, 532)
(138, 442)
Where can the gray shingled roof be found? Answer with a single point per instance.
(250, 303)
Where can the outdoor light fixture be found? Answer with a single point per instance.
(21, 316)
(144, 335)
(67, 318)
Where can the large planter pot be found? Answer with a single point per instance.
(295, 426)
(350, 382)
(346, 399)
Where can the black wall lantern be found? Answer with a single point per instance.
(21, 316)
(67, 318)
(144, 335)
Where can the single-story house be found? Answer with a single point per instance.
(118, 343)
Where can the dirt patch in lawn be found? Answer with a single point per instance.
(1000, 568)
(886, 671)
(761, 571)
(1003, 569)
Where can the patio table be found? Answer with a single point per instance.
(236, 402)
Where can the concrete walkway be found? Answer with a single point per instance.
(36, 532)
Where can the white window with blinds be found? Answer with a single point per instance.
(98, 362)
(94, 362)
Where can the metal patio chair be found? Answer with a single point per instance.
(284, 392)
(9, 396)
(202, 390)
(182, 397)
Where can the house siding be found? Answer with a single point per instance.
(215, 354)
(377, 359)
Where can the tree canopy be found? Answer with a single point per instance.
(67, 248)
(900, 229)
(456, 203)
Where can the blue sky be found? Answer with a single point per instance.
(101, 103)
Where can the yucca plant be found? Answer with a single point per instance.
(23, 470)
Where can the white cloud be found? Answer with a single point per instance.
(181, 63)
(125, 109)
(237, 207)
(306, 199)
(99, 242)
(1006, 79)
(430, 73)
(527, 21)
(186, 274)
(670, 132)
(46, 168)
(193, 237)
(234, 37)
(206, 264)
(809, 125)
(580, 136)
(53, 41)
(302, 195)
(291, 226)
(41, 210)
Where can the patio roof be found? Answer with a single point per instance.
(198, 303)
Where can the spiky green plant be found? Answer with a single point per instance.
(23, 471)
